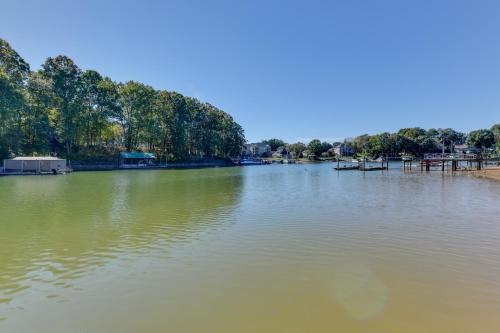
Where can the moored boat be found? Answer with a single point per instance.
(249, 162)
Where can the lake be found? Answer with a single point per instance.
(280, 248)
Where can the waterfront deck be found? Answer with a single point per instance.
(457, 161)
(447, 161)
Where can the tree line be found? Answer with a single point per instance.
(407, 141)
(63, 110)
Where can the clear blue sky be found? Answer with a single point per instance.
(288, 69)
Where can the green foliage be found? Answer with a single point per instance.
(495, 129)
(315, 147)
(417, 141)
(481, 139)
(413, 141)
(325, 146)
(297, 149)
(12, 64)
(411, 133)
(65, 79)
(13, 74)
(450, 137)
(80, 114)
(11, 103)
(274, 143)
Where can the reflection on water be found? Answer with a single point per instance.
(288, 248)
(57, 229)
(359, 291)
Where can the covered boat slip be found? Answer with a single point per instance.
(34, 164)
(138, 160)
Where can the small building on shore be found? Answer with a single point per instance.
(34, 164)
(133, 160)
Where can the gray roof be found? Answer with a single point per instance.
(137, 155)
(37, 158)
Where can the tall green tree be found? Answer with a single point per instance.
(481, 139)
(179, 125)
(136, 101)
(325, 146)
(450, 138)
(11, 102)
(315, 147)
(14, 72)
(66, 81)
(36, 125)
(12, 64)
(94, 114)
(495, 129)
(296, 148)
(274, 143)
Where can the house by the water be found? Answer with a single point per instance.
(257, 149)
(342, 149)
(282, 152)
(465, 149)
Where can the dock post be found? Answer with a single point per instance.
(427, 165)
(442, 166)
(453, 165)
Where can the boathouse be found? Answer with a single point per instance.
(37, 164)
(132, 160)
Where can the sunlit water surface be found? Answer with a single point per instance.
(289, 248)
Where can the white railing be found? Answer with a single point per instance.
(450, 156)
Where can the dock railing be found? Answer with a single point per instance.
(450, 156)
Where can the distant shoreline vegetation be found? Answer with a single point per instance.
(63, 110)
(413, 141)
(83, 116)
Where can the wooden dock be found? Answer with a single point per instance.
(364, 166)
(372, 168)
(429, 162)
(346, 167)
(447, 161)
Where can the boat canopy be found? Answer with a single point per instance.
(137, 155)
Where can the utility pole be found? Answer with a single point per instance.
(443, 147)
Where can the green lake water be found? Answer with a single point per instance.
(281, 248)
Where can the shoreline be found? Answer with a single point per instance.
(492, 173)
(112, 167)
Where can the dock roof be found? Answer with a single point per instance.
(137, 155)
(37, 158)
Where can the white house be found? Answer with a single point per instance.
(256, 149)
(342, 150)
